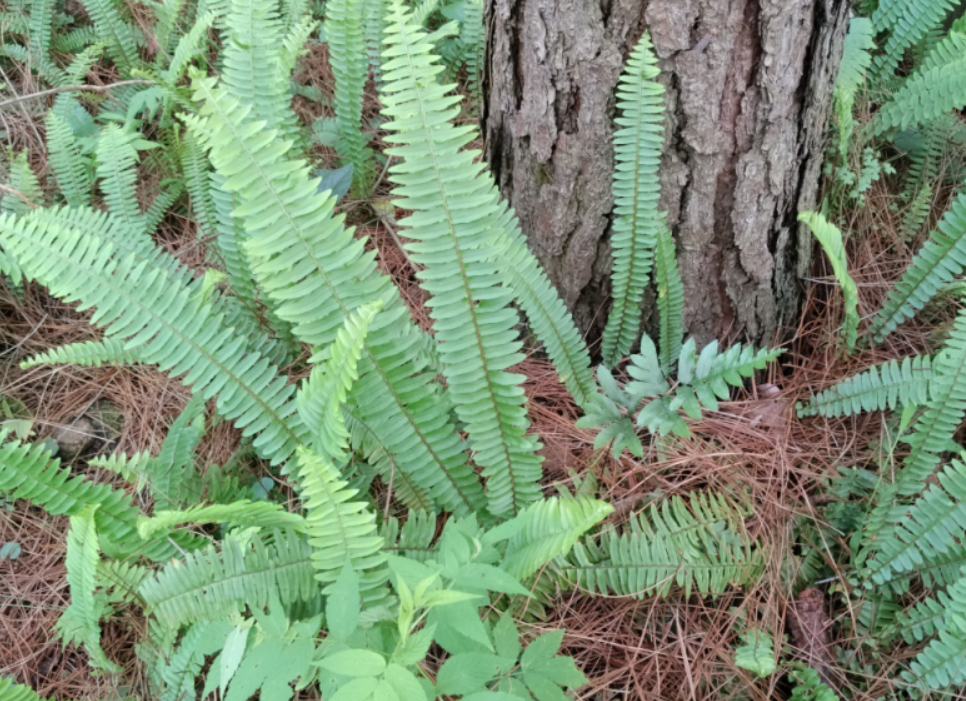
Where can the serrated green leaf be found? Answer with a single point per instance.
(355, 663)
(506, 638)
(467, 673)
(542, 649)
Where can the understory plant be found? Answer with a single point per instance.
(246, 594)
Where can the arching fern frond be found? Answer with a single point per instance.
(941, 259)
(179, 335)
(855, 55)
(85, 353)
(212, 584)
(241, 513)
(886, 386)
(638, 146)
(454, 208)
(189, 45)
(831, 239)
(116, 168)
(171, 475)
(473, 41)
(699, 545)
(907, 21)
(925, 95)
(113, 31)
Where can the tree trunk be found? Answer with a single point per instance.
(749, 88)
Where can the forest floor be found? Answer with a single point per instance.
(676, 647)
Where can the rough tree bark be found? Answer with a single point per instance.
(749, 93)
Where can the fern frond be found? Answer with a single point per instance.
(715, 371)
(350, 66)
(907, 21)
(113, 31)
(117, 170)
(339, 530)
(293, 46)
(372, 25)
(71, 168)
(242, 513)
(810, 687)
(941, 259)
(548, 315)
(75, 40)
(886, 386)
(17, 692)
(80, 622)
(189, 45)
(174, 668)
(197, 179)
(831, 239)
(855, 55)
(21, 180)
(213, 584)
(85, 353)
(294, 237)
(82, 64)
(179, 335)
(423, 10)
(160, 206)
(699, 545)
(322, 395)
(670, 296)
(171, 475)
(41, 26)
(638, 146)
(473, 40)
(925, 95)
(28, 472)
(130, 467)
(917, 212)
(454, 207)
(546, 530)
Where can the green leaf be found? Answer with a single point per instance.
(343, 606)
(474, 576)
(560, 670)
(405, 683)
(646, 369)
(463, 619)
(542, 649)
(491, 696)
(231, 655)
(356, 690)
(415, 648)
(756, 654)
(355, 663)
(543, 688)
(686, 362)
(468, 672)
(506, 638)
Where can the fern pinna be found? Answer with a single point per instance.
(441, 417)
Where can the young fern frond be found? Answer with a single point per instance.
(212, 584)
(918, 211)
(350, 66)
(242, 513)
(941, 259)
(160, 206)
(699, 546)
(293, 46)
(9, 691)
(339, 530)
(28, 472)
(71, 168)
(422, 11)
(887, 386)
(638, 145)
(80, 622)
(171, 476)
(831, 239)
(109, 351)
(546, 530)
(178, 334)
(907, 21)
(318, 273)
(670, 296)
(454, 208)
(82, 64)
(373, 21)
(548, 316)
(117, 170)
(130, 467)
(322, 395)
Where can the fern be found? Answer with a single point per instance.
(179, 335)
(318, 274)
(27, 192)
(454, 208)
(373, 20)
(17, 692)
(473, 41)
(855, 55)
(189, 45)
(670, 296)
(117, 170)
(70, 166)
(171, 476)
(941, 259)
(925, 95)
(887, 386)
(84, 353)
(80, 622)
(917, 213)
(212, 584)
(241, 513)
(41, 24)
(831, 239)
(347, 54)
(810, 687)
(114, 32)
(637, 187)
(907, 21)
(699, 546)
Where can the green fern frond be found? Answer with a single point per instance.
(171, 476)
(174, 664)
(197, 179)
(907, 21)
(473, 41)
(294, 46)
(318, 273)
(855, 55)
(321, 396)
(918, 211)
(17, 692)
(546, 530)
(76, 40)
(940, 260)
(213, 584)
(638, 146)
(925, 95)
(699, 545)
(189, 45)
(350, 66)
(373, 22)
(76, 72)
(80, 622)
(810, 687)
(117, 170)
(130, 467)
(886, 386)
(831, 239)
(423, 10)
(454, 207)
(160, 206)
(179, 335)
(670, 296)
(109, 351)
(242, 513)
(71, 168)
(113, 31)
(21, 179)
(546, 312)
(28, 472)
(41, 27)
